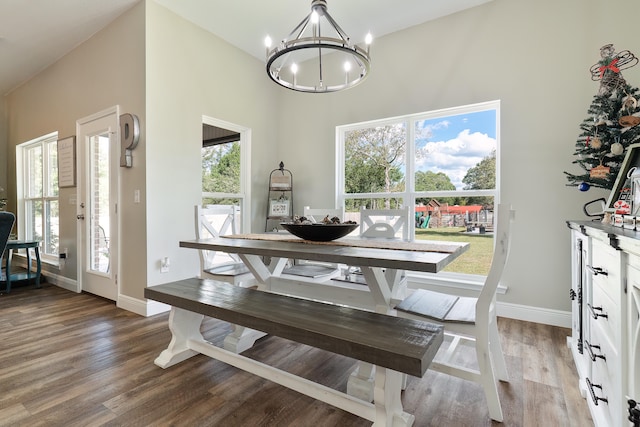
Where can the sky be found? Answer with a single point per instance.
(454, 144)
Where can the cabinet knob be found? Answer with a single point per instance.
(634, 413)
(593, 355)
(593, 393)
(597, 270)
(594, 311)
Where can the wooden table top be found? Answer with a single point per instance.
(413, 260)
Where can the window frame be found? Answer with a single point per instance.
(245, 172)
(50, 192)
(409, 195)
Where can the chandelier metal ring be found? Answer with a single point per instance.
(312, 51)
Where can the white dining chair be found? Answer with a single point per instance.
(398, 219)
(470, 320)
(380, 224)
(315, 269)
(214, 221)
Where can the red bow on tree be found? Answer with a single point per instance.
(610, 66)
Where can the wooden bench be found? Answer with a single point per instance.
(395, 345)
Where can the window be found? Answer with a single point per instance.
(225, 157)
(444, 163)
(38, 209)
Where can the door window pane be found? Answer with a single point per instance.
(99, 220)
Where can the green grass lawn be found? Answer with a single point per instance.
(476, 260)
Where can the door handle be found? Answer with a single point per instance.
(81, 216)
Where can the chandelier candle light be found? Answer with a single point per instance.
(297, 62)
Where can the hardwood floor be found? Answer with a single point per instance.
(70, 359)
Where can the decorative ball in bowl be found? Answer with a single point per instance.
(319, 232)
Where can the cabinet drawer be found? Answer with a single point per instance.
(604, 378)
(605, 313)
(605, 268)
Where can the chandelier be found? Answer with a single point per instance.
(301, 61)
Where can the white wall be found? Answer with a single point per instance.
(106, 70)
(535, 57)
(191, 73)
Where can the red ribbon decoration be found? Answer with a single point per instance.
(611, 66)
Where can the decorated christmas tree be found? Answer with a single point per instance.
(612, 124)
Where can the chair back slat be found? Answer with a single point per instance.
(504, 217)
(213, 221)
(398, 219)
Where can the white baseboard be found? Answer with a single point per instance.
(61, 281)
(541, 315)
(143, 308)
(134, 305)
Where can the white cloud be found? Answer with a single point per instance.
(455, 156)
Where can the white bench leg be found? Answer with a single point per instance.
(361, 382)
(184, 325)
(387, 400)
(241, 339)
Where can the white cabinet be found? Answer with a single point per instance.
(605, 318)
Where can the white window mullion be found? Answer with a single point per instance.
(36, 174)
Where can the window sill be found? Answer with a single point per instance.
(467, 282)
(43, 261)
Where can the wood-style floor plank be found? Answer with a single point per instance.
(71, 359)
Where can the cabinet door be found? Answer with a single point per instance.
(633, 327)
(580, 296)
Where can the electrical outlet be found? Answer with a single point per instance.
(164, 265)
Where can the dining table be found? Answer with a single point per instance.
(383, 263)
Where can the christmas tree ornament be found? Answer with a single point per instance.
(608, 69)
(630, 103)
(629, 121)
(617, 149)
(596, 143)
(584, 186)
(600, 171)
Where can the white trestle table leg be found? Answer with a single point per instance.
(184, 326)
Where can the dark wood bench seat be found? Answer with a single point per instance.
(401, 345)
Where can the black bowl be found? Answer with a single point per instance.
(319, 232)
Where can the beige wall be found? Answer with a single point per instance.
(535, 58)
(106, 70)
(191, 74)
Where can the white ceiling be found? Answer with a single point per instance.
(36, 33)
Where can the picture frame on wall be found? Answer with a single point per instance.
(67, 162)
(279, 207)
(621, 197)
